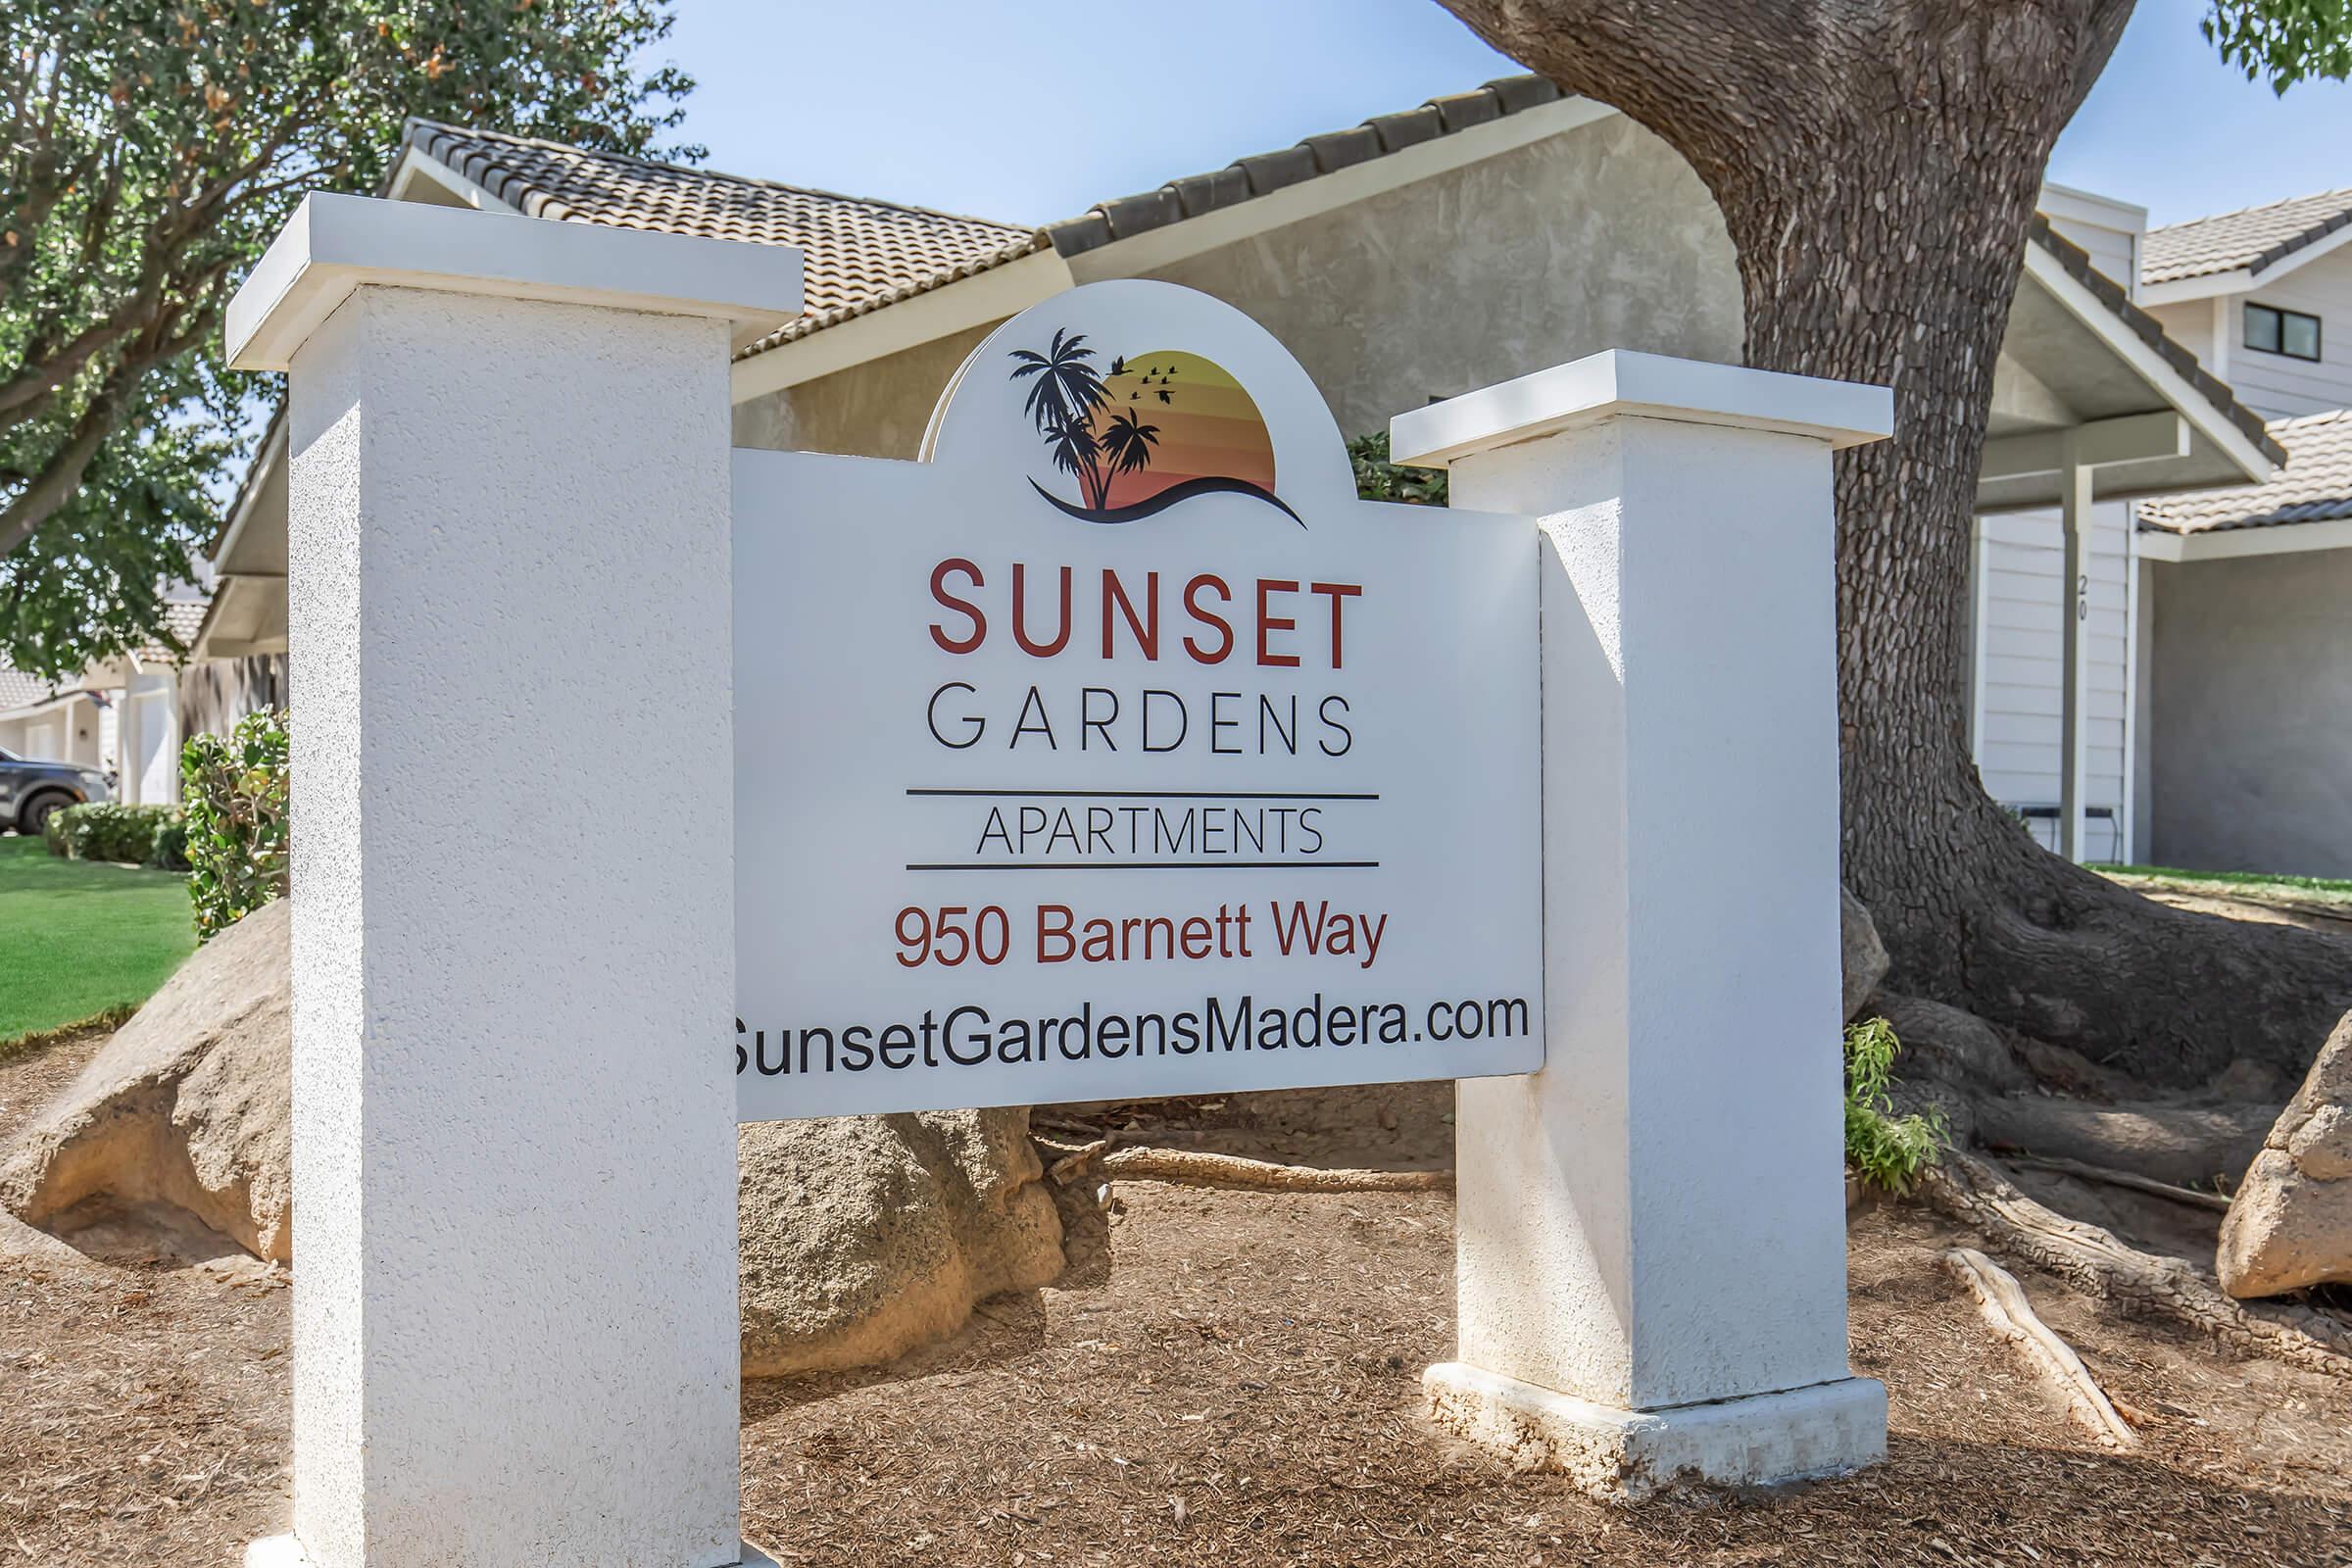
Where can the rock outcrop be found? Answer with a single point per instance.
(861, 1236)
(1862, 956)
(2290, 1223)
(865, 1237)
(190, 1104)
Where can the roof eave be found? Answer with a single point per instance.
(2289, 256)
(2207, 403)
(2180, 547)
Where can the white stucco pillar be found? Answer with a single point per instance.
(1651, 1237)
(514, 1288)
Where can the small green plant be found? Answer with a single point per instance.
(1379, 479)
(236, 790)
(1886, 1149)
(105, 831)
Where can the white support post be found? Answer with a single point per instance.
(515, 1327)
(2073, 702)
(1651, 1238)
(128, 742)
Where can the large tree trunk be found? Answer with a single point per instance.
(1877, 166)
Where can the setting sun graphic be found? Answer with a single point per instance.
(1144, 431)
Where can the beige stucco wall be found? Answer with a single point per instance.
(2251, 754)
(875, 410)
(1599, 237)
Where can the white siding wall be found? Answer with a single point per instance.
(2113, 250)
(2021, 600)
(2273, 385)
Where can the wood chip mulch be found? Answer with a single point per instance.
(1229, 1379)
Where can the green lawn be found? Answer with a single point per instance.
(78, 937)
(2252, 884)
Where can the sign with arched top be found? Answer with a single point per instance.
(1116, 749)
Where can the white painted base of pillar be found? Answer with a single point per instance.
(1626, 1455)
(285, 1552)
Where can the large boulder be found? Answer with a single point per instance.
(190, 1104)
(861, 1236)
(864, 1237)
(1863, 956)
(2290, 1223)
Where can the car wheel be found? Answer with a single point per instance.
(39, 810)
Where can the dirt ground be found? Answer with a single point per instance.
(1222, 1378)
(2328, 916)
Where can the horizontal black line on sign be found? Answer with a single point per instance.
(1150, 865)
(1152, 794)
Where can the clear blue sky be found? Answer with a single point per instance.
(1033, 111)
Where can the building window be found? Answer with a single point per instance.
(2289, 332)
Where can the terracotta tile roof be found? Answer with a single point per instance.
(2253, 237)
(181, 617)
(858, 254)
(1265, 172)
(2150, 332)
(2315, 486)
(20, 690)
(862, 255)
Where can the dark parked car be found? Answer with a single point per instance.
(30, 793)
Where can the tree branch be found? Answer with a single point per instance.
(62, 475)
(19, 399)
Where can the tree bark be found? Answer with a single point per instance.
(1876, 164)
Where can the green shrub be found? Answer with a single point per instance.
(170, 851)
(102, 831)
(1379, 479)
(1886, 1150)
(235, 787)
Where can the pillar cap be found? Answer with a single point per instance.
(1651, 387)
(334, 243)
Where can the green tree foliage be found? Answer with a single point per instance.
(236, 794)
(152, 148)
(1886, 1150)
(2284, 41)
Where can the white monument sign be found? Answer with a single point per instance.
(1117, 749)
(1112, 750)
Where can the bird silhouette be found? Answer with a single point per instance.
(1118, 367)
(1165, 397)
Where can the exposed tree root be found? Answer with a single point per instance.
(2124, 1178)
(2171, 1144)
(2003, 1302)
(1975, 1193)
(1232, 1170)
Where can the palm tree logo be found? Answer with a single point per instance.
(1066, 393)
(1089, 432)
(1127, 444)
